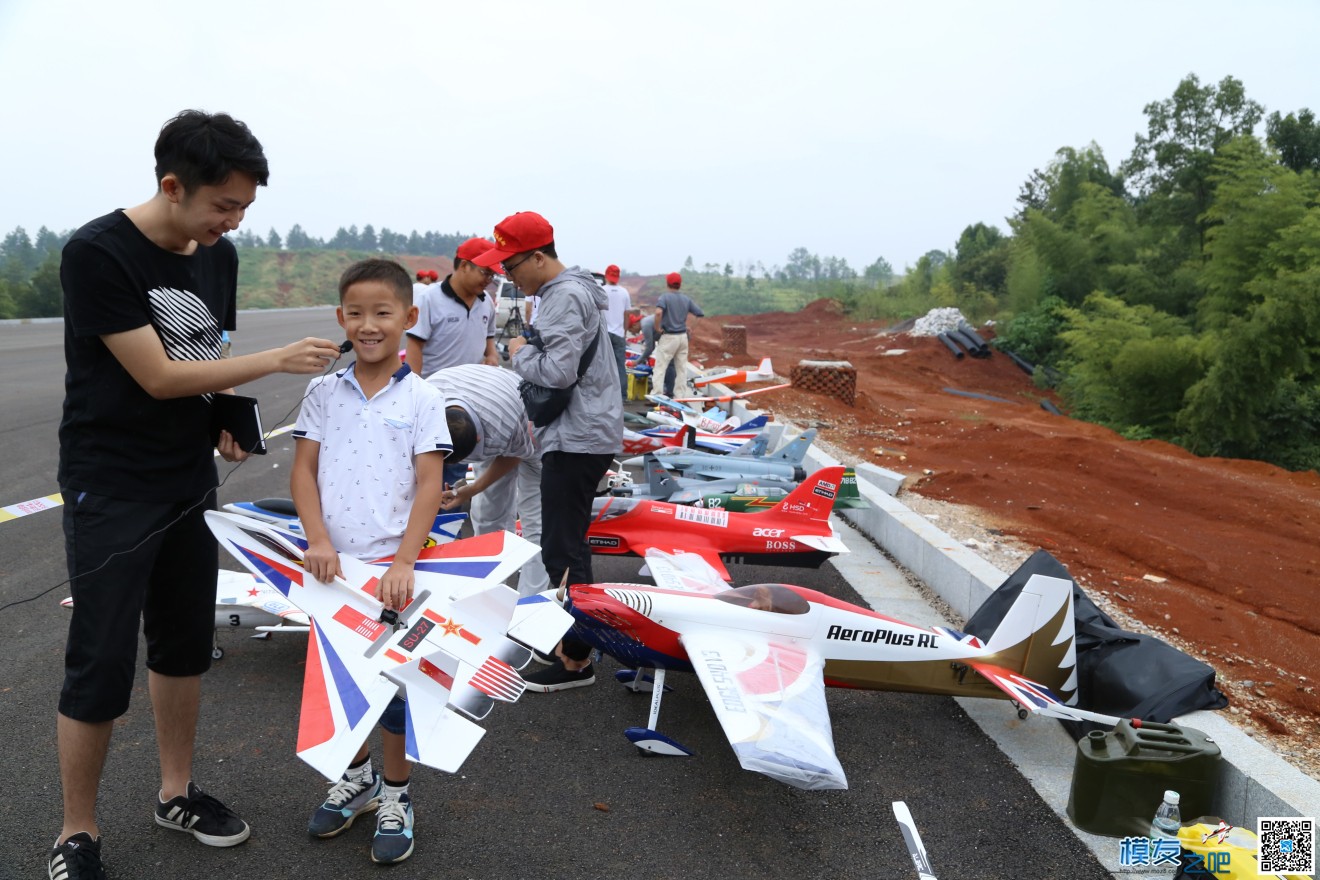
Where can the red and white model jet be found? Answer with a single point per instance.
(765, 654)
(796, 531)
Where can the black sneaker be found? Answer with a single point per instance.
(347, 800)
(556, 678)
(393, 841)
(78, 858)
(204, 817)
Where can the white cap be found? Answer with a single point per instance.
(1171, 797)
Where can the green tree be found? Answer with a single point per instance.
(1170, 165)
(1128, 367)
(879, 272)
(1297, 138)
(273, 239)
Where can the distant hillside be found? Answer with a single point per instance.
(273, 279)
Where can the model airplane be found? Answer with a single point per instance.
(450, 653)
(732, 376)
(280, 512)
(765, 654)
(737, 395)
(244, 601)
(796, 531)
(725, 438)
(741, 495)
(785, 463)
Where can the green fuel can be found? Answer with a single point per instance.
(1119, 777)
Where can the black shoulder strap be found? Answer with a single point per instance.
(589, 353)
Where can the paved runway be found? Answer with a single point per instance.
(553, 791)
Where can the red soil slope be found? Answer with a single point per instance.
(1237, 543)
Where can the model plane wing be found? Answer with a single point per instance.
(769, 696)
(710, 557)
(688, 572)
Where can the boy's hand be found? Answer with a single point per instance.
(395, 589)
(322, 562)
(229, 448)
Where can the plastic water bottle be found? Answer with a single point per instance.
(1167, 818)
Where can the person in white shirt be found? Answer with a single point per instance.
(619, 304)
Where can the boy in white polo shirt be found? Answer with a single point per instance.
(367, 480)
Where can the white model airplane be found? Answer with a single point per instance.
(736, 375)
(765, 654)
(453, 650)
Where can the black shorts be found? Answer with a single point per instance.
(168, 584)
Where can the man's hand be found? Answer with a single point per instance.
(515, 344)
(455, 498)
(308, 355)
(395, 589)
(229, 448)
(322, 562)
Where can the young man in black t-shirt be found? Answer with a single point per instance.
(147, 293)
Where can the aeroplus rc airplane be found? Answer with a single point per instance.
(454, 649)
(766, 652)
(795, 532)
(785, 462)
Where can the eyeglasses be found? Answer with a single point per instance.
(485, 273)
(509, 267)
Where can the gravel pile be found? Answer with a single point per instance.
(937, 321)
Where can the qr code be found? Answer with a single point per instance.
(1287, 845)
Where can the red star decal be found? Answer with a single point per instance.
(452, 628)
(254, 592)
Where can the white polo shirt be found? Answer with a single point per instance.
(365, 473)
(450, 332)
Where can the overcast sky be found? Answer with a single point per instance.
(645, 132)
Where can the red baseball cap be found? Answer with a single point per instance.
(473, 248)
(674, 280)
(612, 273)
(516, 234)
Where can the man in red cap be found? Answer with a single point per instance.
(569, 348)
(619, 304)
(671, 313)
(455, 319)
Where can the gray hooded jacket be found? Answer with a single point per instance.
(572, 312)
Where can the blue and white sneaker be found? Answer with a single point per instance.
(394, 830)
(346, 801)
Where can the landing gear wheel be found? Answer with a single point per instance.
(217, 652)
(1022, 714)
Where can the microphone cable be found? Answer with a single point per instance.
(344, 348)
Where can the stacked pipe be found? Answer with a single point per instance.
(965, 337)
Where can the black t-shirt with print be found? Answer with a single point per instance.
(115, 438)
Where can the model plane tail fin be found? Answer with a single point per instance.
(753, 448)
(764, 367)
(814, 497)
(1037, 637)
(662, 485)
(795, 451)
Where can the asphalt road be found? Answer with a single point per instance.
(553, 791)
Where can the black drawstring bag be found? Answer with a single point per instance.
(1120, 673)
(543, 404)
